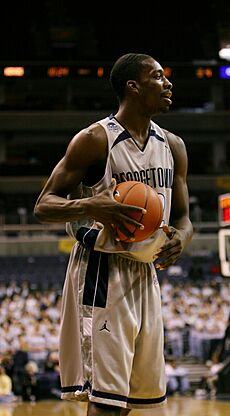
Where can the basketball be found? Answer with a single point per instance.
(141, 195)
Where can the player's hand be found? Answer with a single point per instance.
(171, 250)
(105, 209)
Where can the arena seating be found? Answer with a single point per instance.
(40, 271)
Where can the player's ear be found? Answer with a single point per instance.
(132, 85)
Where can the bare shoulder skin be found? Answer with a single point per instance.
(85, 155)
(86, 149)
(181, 230)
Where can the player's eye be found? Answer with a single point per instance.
(158, 75)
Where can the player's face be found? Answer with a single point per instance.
(154, 88)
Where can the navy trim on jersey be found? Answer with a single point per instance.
(126, 135)
(96, 279)
(123, 136)
(87, 236)
(153, 133)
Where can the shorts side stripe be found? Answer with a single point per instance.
(96, 279)
(87, 236)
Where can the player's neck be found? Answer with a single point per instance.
(138, 126)
(132, 120)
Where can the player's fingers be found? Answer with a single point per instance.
(126, 209)
(124, 231)
(164, 263)
(123, 219)
(112, 229)
(169, 232)
(113, 185)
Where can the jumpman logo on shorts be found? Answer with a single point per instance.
(104, 326)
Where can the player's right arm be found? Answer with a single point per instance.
(86, 150)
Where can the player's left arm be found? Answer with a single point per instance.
(180, 230)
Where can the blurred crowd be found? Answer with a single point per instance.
(196, 315)
(196, 320)
(29, 326)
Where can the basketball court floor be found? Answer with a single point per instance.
(176, 406)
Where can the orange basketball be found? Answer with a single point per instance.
(141, 195)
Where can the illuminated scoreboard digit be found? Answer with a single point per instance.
(224, 210)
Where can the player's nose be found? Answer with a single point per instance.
(167, 84)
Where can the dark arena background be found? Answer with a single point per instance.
(55, 58)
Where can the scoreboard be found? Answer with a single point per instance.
(224, 233)
(172, 71)
(224, 210)
(224, 251)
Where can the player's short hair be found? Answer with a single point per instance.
(127, 67)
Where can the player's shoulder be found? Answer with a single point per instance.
(91, 140)
(91, 132)
(177, 147)
(92, 135)
(173, 138)
(176, 143)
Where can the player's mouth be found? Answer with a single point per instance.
(167, 97)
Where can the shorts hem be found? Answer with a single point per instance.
(147, 406)
(127, 405)
(87, 397)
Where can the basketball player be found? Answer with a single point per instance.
(111, 340)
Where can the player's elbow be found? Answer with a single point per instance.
(40, 212)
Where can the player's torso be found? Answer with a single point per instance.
(153, 164)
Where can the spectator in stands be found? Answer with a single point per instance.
(52, 339)
(6, 393)
(20, 359)
(207, 386)
(37, 345)
(49, 385)
(174, 328)
(209, 326)
(30, 381)
(177, 378)
(223, 349)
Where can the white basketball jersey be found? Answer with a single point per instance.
(126, 161)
